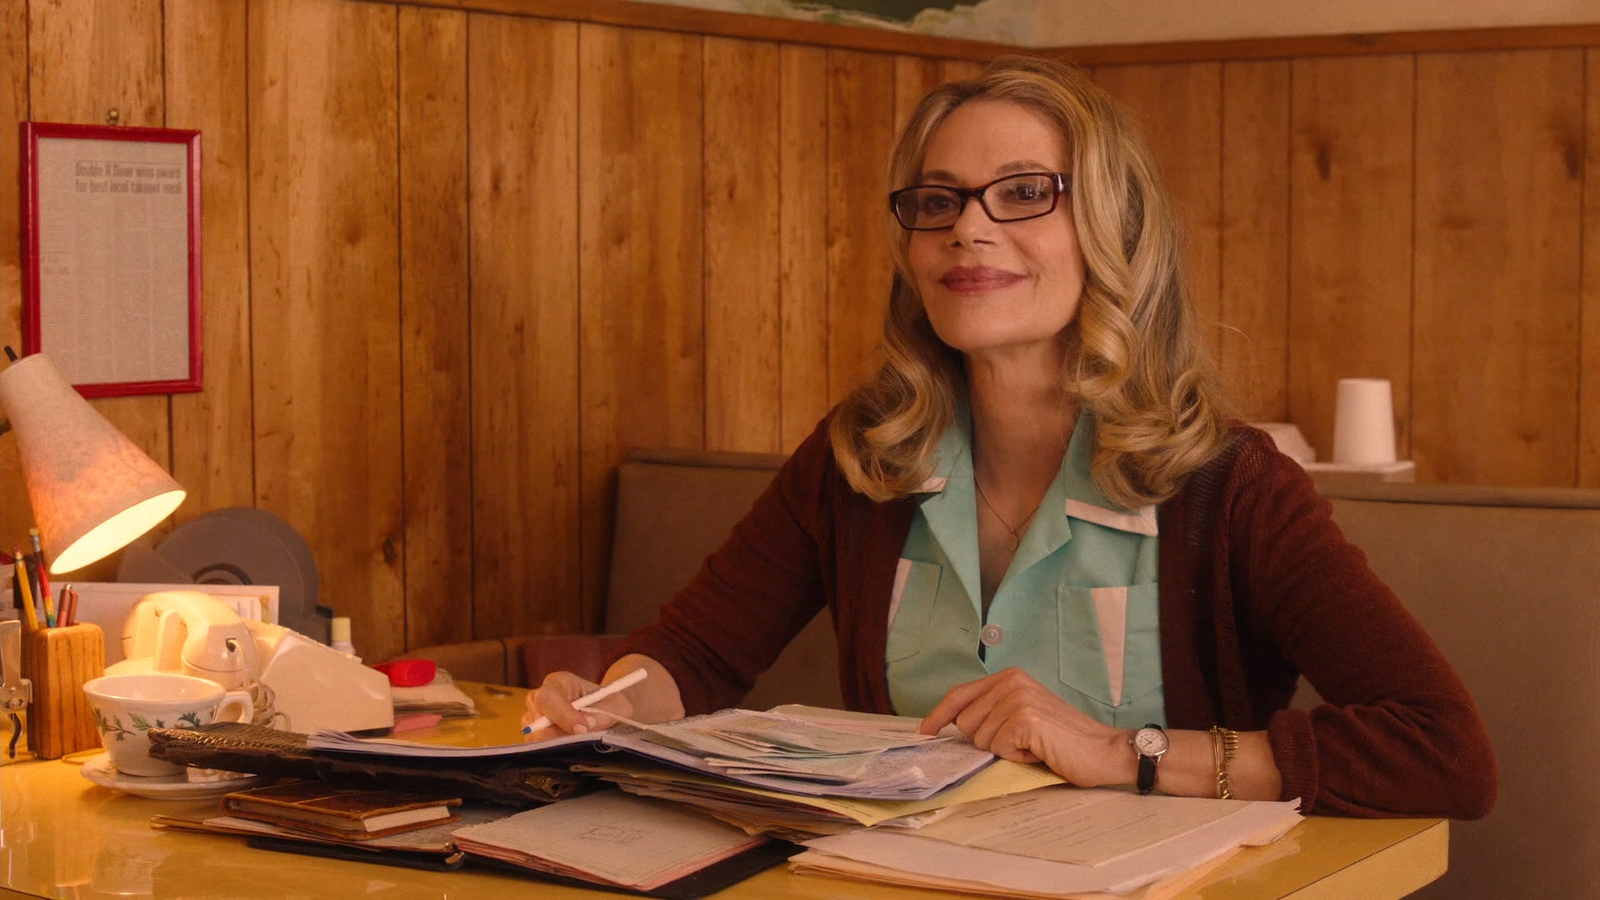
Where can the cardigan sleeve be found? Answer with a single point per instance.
(750, 597)
(1398, 733)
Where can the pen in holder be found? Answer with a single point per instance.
(59, 662)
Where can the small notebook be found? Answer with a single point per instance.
(353, 813)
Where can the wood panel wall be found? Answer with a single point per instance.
(458, 263)
(1417, 217)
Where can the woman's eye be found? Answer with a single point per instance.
(1024, 193)
(937, 203)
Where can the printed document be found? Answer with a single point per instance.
(899, 853)
(1074, 825)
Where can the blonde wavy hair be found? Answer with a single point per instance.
(1140, 368)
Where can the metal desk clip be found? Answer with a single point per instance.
(16, 692)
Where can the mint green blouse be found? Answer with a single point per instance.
(1077, 608)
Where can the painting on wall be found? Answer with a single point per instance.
(1000, 21)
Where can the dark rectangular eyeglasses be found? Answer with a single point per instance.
(935, 207)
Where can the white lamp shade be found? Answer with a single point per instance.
(92, 490)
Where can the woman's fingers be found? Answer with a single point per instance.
(553, 700)
(955, 703)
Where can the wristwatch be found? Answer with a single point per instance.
(1150, 742)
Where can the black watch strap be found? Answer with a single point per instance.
(1147, 774)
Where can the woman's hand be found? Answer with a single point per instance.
(1015, 717)
(553, 700)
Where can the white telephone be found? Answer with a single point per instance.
(311, 686)
(191, 633)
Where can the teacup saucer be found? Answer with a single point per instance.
(190, 784)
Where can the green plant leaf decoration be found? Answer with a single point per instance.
(111, 725)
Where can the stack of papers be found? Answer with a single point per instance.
(442, 697)
(1056, 842)
(886, 760)
(866, 757)
(798, 817)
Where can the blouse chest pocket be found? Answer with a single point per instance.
(1110, 641)
(911, 606)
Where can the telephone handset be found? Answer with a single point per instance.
(310, 685)
(191, 633)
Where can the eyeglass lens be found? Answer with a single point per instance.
(929, 207)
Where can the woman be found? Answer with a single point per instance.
(1037, 524)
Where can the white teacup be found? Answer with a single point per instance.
(126, 707)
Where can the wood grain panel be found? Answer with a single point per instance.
(90, 56)
(914, 77)
(435, 326)
(325, 292)
(1320, 45)
(803, 223)
(1254, 307)
(642, 346)
(1350, 170)
(87, 57)
(1180, 109)
(15, 513)
(1589, 386)
(212, 440)
(960, 69)
(523, 90)
(1498, 249)
(742, 196)
(860, 137)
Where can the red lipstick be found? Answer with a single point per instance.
(977, 279)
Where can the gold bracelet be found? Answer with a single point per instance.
(1216, 758)
(1224, 746)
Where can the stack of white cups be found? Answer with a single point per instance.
(1363, 423)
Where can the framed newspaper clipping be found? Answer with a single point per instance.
(111, 245)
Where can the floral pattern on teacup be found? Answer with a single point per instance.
(139, 723)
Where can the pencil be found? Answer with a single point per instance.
(21, 573)
(45, 594)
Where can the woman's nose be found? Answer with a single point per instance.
(973, 224)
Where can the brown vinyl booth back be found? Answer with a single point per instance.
(1507, 581)
(673, 508)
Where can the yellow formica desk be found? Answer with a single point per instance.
(62, 837)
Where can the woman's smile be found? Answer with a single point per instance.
(977, 279)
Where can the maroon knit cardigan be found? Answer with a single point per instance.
(1257, 585)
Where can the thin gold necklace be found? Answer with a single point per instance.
(1016, 539)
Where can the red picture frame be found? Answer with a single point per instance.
(101, 211)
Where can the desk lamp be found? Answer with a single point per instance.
(93, 492)
(91, 489)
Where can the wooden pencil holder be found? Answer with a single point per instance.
(59, 662)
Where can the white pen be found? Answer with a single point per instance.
(590, 699)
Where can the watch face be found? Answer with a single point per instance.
(1150, 741)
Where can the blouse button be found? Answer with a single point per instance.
(992, 635)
